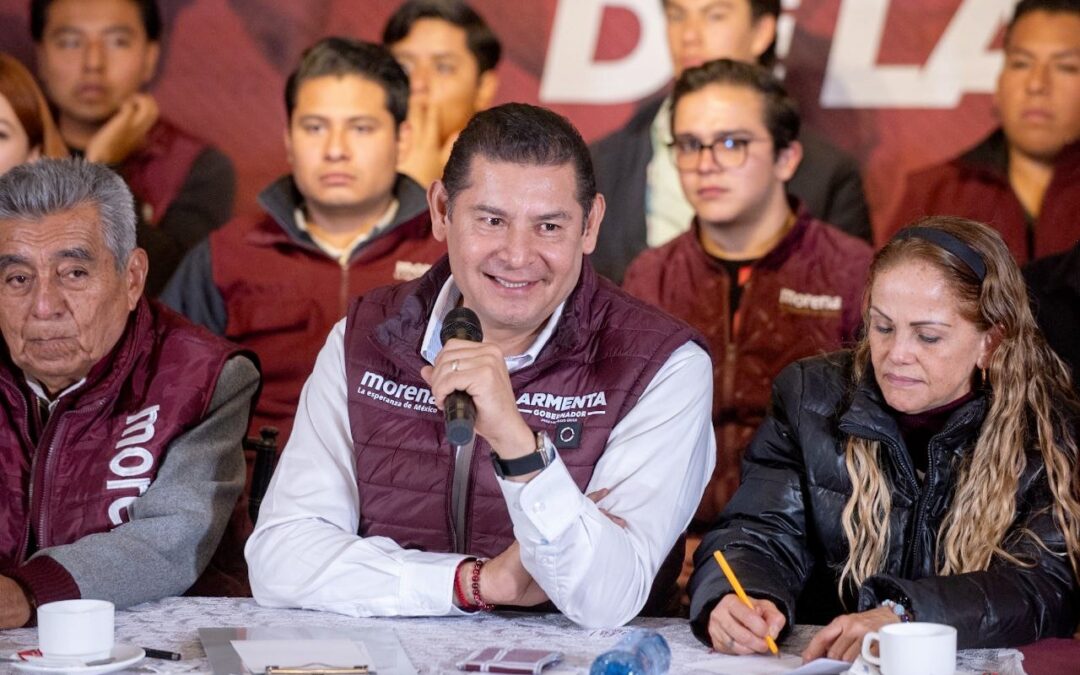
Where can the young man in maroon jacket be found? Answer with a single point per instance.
(94, 58)
(1024, 178)
(634, 167)
(764, 281)
(343, 222)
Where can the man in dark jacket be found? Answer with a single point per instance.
(765, 282)
(634, 166)
(342, 223)
(1023, 179)
(1054, 283)
(578, 390)
(132, 416)
(93, 60)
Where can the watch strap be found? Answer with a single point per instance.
(519, 466)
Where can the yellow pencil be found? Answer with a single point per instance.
(741, 593)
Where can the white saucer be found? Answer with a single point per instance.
(123, 655)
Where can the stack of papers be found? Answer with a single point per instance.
(258, 655)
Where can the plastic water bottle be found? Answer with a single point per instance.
(640, 652)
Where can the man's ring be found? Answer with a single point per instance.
(453, 366)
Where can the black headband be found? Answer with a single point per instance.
(950, 243)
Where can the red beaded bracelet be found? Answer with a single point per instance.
(478, 601)
(459, 591)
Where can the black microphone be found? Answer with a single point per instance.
(461, 323)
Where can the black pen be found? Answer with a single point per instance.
(161, 654)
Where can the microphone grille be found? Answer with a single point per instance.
(463, 324)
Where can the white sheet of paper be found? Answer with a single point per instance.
(786, 664)
(258, 654)
(823, 667)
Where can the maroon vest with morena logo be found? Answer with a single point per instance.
(102, 445)
(604, 352)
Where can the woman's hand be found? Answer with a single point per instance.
(842, 638)
(735, 628)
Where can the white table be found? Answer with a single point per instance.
(432, 644)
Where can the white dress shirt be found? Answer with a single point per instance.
(305, 551)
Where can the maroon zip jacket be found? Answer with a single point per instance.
(75, 473)
(803, 298)
(264, 284)
(976, 186)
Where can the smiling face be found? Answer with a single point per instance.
(343, 145)
(1038, 92)
(63, 303)
(924, 351)
(14, 143)
(704, 30)
(93, 55)
(516, 236)
(444, 73)
(730, 196)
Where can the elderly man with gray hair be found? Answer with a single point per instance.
(120, 422)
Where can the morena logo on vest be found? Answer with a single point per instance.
(405, 396)
(133, 463)
(809, 303)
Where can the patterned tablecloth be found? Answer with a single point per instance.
(434, 644)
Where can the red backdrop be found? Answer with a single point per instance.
(901, 84)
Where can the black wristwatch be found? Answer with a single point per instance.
(534, 461)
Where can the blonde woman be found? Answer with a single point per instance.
(930, 474)
(27, 130)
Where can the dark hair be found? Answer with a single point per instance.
(759, 9)
(1025, 7)
(482, 42)
(340, 56)
(148, 10)
(519, 133)
(781, 111)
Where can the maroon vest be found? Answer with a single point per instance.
(803, 298)
(102, 445)
(283, 296)
(604, 352)
(157, 171)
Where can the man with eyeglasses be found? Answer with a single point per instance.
(633, 165)
(764, 281)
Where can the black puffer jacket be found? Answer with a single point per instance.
(782, 530)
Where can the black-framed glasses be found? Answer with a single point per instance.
(729, 151)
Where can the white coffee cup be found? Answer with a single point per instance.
(79, 629)
(914, 648)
